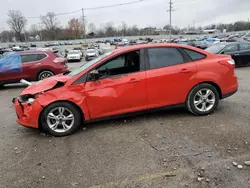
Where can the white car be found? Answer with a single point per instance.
(91, 54)
(74, 55)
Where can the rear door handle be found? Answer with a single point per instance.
(236, 54)
(185, 71)
(132, 80)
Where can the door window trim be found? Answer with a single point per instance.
(186, 58)
(223, 50)
(142, 65)
(35, 54)
(191, 60)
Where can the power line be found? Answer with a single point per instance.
(94, 8)
(116, 5)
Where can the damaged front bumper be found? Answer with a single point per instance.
(27, 114)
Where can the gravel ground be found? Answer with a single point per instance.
(164, 149)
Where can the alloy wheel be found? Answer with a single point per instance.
(204, 100)
(60, 119)
(45, 74)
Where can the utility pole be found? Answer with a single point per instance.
(84, 26)
(170, 17)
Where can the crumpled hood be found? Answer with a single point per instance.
(45, 85)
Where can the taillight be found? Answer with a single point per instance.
(229, 62)
(59, 60)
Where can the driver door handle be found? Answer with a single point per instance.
(185, 70)
(133, 80)
(236, 54)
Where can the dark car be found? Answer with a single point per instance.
(34, 65)
(198, 44)
(240, 51)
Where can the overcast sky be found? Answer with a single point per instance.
(143, 14)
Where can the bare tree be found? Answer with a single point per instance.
(17, 22)
(34, 30)
(75, 27)
(51, 24)
(124, 28)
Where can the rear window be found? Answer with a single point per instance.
(29, 58)
(194, 55)
(41, 56)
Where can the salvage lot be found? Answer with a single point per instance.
(163, 149)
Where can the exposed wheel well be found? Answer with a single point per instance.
(42, 71)
(75, 105)
(213, 84)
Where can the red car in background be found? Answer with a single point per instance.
(131, 79)
(36, 65)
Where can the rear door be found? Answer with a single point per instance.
(169, 76)
(31, 63)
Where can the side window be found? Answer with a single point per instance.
(41, 56)
(122, 64)
(164, 57)
(244, 46)
(231, 48)
(29, 58)
(194, 55)
(118, 62)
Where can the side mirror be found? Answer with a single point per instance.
(94, 75)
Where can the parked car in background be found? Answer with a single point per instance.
(240, 52)
(91, 54)
(80, 51)
(198, 44)
(246, 37)
(74, 55)
(131, 79)
(125, 41)
(34, 66)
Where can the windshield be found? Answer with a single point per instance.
(88, 64)
(73, 52)
(90, 51)
(216, 48)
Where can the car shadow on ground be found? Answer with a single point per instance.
(147, 116)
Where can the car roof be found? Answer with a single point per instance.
(159, 45)
(34, 52)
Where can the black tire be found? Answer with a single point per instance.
(42, 74)
(191, 98)
(68, 106)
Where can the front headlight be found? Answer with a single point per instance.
(28, 98)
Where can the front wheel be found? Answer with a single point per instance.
(60, 119)
(203, 99)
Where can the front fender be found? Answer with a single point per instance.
(74, 94)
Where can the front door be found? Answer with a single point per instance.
(121, 87)
(169, 77)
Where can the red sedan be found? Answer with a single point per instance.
(35, 65)
(128, 80)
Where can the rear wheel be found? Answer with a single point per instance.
(60, 119)
(45, 74)
(203, 99)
